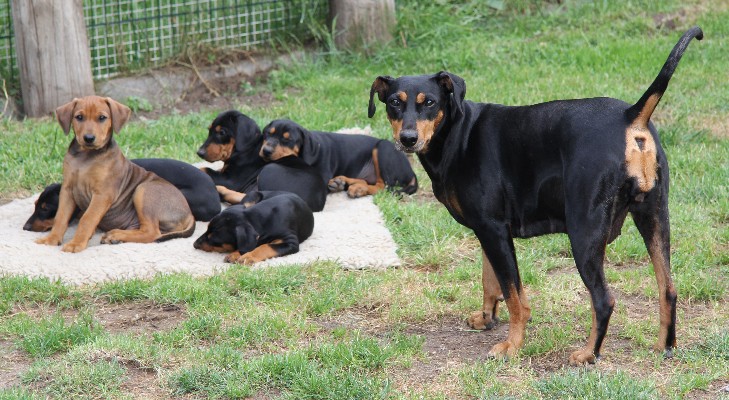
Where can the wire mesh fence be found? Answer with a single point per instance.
(126, 35)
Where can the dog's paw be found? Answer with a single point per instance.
(232, 257)
(337, 184)
(666, 350)
(582, 357)
(73, 247)
(110, 238)
(248, 259)
(504, 349)
(49, 240)
(482, 321)
(357, 191)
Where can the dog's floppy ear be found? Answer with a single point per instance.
(119, 114)
(247, 131)
(455, 86)
(64, 114)
(380, 86)
(246, 238)
(310, 146)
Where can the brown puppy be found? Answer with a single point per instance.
(128, 202)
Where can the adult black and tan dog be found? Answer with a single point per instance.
(195, 185)
(570, 166)
(272, 227)
(236, 139)
(360, 164)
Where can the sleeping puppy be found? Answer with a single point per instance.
(273, 227)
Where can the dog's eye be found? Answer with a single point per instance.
(79, 117)
(102, 118)
(429, 103)
(395, 102)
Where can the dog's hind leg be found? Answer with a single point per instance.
(588, 233)
(276, 248)
(651, 219)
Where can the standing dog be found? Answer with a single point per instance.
(121, 198)
(571, 166)
(362, 165)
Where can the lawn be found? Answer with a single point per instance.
(317, 331)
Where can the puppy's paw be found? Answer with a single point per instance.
(49, 240)
(482, 321)
(337, 184)
(357, 191)
(110, 237)
(232, 257)
(73, 247)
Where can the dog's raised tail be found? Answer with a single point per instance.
(641, 111)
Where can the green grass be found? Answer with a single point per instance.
(318, 331)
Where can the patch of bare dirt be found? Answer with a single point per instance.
(140, 317)
(13, 362)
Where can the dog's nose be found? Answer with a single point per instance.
(89, 138)
(201, 152)
(266, 151)
(28, 226)
(409, 138)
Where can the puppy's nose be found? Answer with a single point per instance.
(266, 151)
(409, 138)
(201, 153)
(89, 138)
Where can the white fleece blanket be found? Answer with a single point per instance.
(349, 231)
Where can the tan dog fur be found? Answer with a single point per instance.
(128, 202)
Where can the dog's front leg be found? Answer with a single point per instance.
(487, 317)
(66, 208)
(98, 207)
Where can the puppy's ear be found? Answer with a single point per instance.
(64, 114)
(455, 87)
(380, 86)
(246, 237)
(310, 145)
(246, 131)
(119, 114)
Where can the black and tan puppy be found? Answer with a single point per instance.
(571, 166)
(128, 202)
(195, 185)
(360, 164)
(272, 227)
(236, 140)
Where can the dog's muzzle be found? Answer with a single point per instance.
(408, 141)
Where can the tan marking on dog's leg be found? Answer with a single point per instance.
(359, 187)
(230, 196)
(666, 291)
(586, 354)
(260, 253)
(519, 314)
(487, 318)
(90, 219)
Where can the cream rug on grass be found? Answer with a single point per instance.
(349, 231)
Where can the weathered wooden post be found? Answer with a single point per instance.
(53, 53)
(362, 22)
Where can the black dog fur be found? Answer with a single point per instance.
(236, 140)
(273, 227)
(570, 166)
(344, 161)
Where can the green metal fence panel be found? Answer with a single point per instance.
(126, 35)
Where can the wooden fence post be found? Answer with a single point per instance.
(362, 22)
(53, 53)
